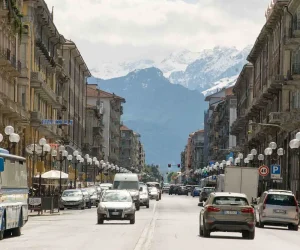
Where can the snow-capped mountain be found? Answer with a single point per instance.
(194, 70)
(223, 83)
(211, 66)
(111, 70)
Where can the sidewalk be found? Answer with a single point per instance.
(45, 213)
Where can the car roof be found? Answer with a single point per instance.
(72, 190)
(229, 194)
(117, 191)
(126, 177)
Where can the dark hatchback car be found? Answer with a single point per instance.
(182, 190)
(172, 189)
(205, 193)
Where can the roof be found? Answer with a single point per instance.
(230, 194)
(246, 66)
(264, 33)
(91, 91)
(124, 128)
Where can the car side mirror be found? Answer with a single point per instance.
(253, 206)
(141, 189)
(201, 204)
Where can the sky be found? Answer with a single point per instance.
(120, 30)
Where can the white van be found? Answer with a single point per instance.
(129, 182)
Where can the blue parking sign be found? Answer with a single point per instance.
(275, 171)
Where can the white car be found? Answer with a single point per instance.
(116, 205)
(153, 193)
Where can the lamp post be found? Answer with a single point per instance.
(69, 157)
(13, 137)
(77, 157)
(246, 161)
(94, 164)
(101, 165)
(250, 158)
(88, 162)
(62, 157)
(45, 148)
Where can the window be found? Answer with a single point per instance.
(230, 200)
(281, 200)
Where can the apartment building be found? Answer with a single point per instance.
(132, 154)
(197, 149)
(268, 93)
(217, 122)
(110, 107)
(13, 106)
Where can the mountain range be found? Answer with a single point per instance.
(165, 100)
(194, 70)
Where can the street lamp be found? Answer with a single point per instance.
(94, 160)
(63, 156)
(294, 145)
(250, 158)
(77, 157)
(13, 137)
(45, 148)
(246, 161)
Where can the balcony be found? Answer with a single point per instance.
(43, 89)
(274, 117)
(43, 51)
(114, 142)
(9, 63)
(115, 129)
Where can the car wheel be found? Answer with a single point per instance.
(260, 224)
(16, 232)
(157, 199)
(90, 205)
(3, 227)
(137, 207)
(147, 205)
(251, 235)
(62, 208)
(132, 221)
(293, 227)
(100, 221)
(206, 232)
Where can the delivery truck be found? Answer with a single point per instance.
(242, 180)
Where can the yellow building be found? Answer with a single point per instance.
(13, 108)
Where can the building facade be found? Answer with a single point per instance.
(110, 108)
(218, 119)
(14, 106)
(132, 154)
(268, 93)
(197, 149)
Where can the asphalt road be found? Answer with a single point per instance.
(171, 223)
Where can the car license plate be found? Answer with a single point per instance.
(115, 213)
(279, 211)
(230, 212)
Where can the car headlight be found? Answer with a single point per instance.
(129, 209)
(102, 208)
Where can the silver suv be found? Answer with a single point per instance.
(278, 208)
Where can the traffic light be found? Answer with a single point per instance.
(169, 165)
(178, 165)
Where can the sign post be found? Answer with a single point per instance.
(263, 170)
(275, 171)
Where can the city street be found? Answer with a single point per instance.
(171, 223)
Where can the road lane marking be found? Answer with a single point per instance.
(144, 242)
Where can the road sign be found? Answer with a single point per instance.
(263, 170)
(275, 171)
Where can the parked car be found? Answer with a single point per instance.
(172, 190)
(227, 212)
(144, 196)
(205, 192)
(158, 186)
(166, 188)
(278, 208)
(72, 198)
(94, 195)
(153, 193)
(182, 190)
(196, 191)
(87, 198)
(116, 205)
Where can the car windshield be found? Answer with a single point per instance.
(230, 200)
(71, 193)
(208, 190)
(152, 189)
(91, 191)
(116, 197)
(197, 188)
(280, 200)
(126, 185)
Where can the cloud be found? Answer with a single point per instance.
(169, 24)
